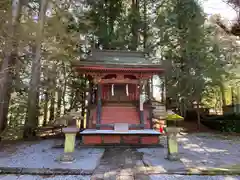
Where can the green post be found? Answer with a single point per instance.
(172, 138)
(69, 142)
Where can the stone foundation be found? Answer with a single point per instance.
(121, 136)
(120, 139)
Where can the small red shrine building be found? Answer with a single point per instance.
(119, 104)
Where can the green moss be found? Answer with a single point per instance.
(228, 170)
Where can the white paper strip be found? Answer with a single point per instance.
(127, 90)
(142, 99)
(112, 89)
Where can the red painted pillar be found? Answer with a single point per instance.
(104, 96)
(99, 104)
(136, 92)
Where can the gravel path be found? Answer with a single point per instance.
(196, 151)
(41, 154)
(25, 177)
(162, 177)
(209, 150)
(178, 177)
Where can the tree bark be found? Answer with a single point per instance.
(52, 106)
(33, 94)
(145, 25)
(72, 98)
(222, 89)
(64, 88)
(135, 24)
(45, 113)
(53, 92)
(59, 102)
(198, 115)
(9, 63)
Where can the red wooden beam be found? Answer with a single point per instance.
(119, 81)
(102, 68)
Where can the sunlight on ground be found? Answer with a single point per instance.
(109, 174)
(213, 150)
(230, 178)
(184, 139)
(197, 148)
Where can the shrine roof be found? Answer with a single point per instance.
(116, 58)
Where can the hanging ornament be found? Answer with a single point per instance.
(127, 93)
(161, 129)
(112, 89)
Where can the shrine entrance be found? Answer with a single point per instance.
(119, 93)
(119, 88)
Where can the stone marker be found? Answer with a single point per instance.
(172, 132)
(69, 145)
(172, 143)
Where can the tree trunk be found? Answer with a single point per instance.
(8, 64)
(33, 94)
(145, 25)
(63, 98)
(46, 108)
(135, 24)
(59, 102)
(198, 115)
(222, 89)
(64, 88)
(163, 95)
(53, 92)
(72, 98)
(52, 107)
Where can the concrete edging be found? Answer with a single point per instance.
(197, 173)
(59, 171)
(43, 171)
(220, 171)
(193, 171)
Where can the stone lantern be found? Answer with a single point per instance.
(172, 132)
(70, 137)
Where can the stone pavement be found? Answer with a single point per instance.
(209, 150)
(153, 177)
(200, 151)
(28, 177)
(197, 151)
(41, 154)
(125, 163)
(120, 163)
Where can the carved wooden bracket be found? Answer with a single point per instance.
(98, 76)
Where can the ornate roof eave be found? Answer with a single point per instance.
(123, 69)
(86, 64)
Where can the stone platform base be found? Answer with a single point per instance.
(131, 137)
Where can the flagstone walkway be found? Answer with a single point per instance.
(120, 163)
